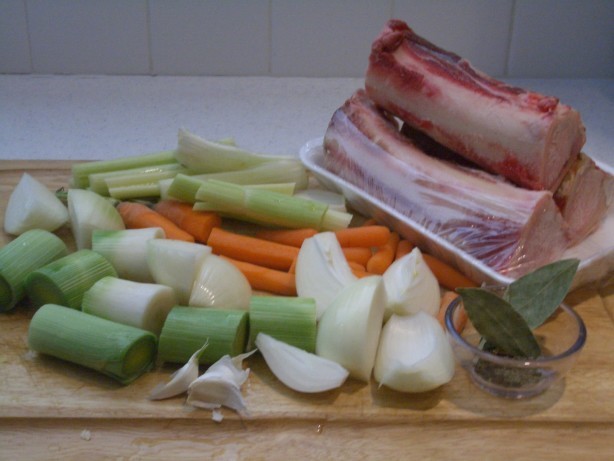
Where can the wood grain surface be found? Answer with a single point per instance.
(50, 409)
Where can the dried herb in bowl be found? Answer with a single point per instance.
(506, 320)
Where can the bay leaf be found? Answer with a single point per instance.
(499, 323)
(537, 295)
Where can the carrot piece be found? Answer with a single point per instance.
(404, 247)
(370, 222)
(363, 236)
(460, 319)
(139, 216)
(447, 276)
(251, 249)
(384, 255)
(196, 223)
(358, 269)
(292, 237)
(357, 254)
(266, 279)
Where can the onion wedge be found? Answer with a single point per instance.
(298, 369)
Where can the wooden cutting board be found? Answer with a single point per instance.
(50, 409)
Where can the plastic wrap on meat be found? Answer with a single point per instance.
(510, 229)
(529, 138)
(583, 197)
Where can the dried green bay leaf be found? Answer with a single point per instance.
(537, 295)
(498, 323)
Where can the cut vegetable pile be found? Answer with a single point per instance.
(207, 254)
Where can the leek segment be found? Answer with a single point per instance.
(186, 329)
(65, 280)
(288, 319)
(141, 305)
(119, 351)
(33, 206)
(30, 251)
(126, 250)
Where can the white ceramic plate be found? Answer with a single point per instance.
(596, 253)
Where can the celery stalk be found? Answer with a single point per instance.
(102, 182)
(288, 319)
(30, 251)
(65, 280)
(186, 329)
(211, 157)
(81, 171)
(268, 208)
(119, 351)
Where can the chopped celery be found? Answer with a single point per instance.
(288, 319)
(65, 280)
(119, 351)
(102, 182)
(81, 171)
(268, 208)
(186, 329)
(30, 251)
(141, 305)
(211, 157)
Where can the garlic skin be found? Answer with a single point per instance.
(221, 385)
(414, 354)
(322, 270)
(298, 369)
(349, 331)
(411, 286)
(180, 380)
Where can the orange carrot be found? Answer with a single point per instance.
(384, 255)
(357, 254)
(460, 319)
(139, 216)
(266, 279)
(447, 276)
(404, 247)
(251, 249)
(358, 269)
(292, 237)
(196, 223)
(363, 236)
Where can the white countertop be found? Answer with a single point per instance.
(95, 117)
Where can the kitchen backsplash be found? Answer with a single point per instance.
(299, 38)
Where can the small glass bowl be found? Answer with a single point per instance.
(561, 338)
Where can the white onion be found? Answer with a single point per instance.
(89, 211)
(349, 330)
(175, 263)
(414, 354)
(33, 206)
(322, 270)
(298, 369)
(218, 283)
(411, 286)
